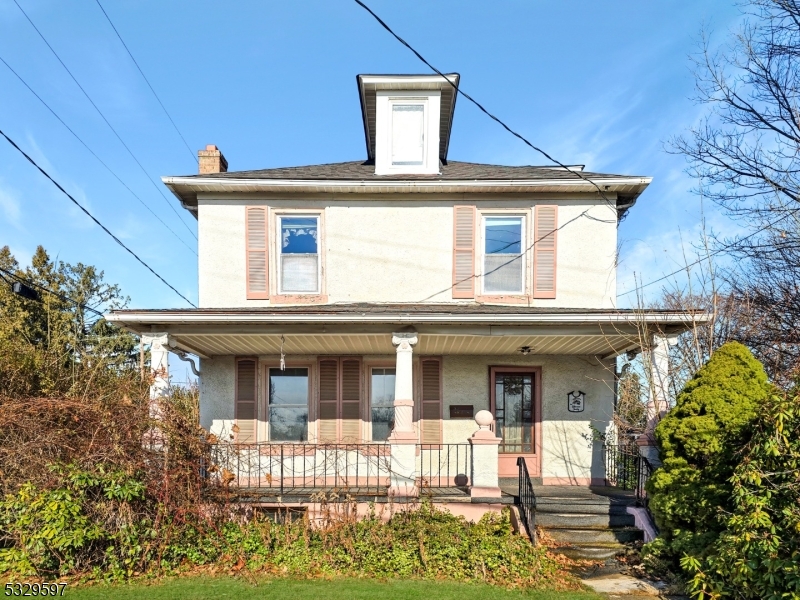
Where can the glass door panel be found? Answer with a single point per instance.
(514, 412)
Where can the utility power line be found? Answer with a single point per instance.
(93, 153)
(93, 218)
(458, 90)
(89, 98)
(147, 81)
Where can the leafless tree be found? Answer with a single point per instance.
(746, 156)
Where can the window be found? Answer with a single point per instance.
(299, 254)
(288, 405)
(513, 399)
(503, 257)
(408, 134)
(382, 403)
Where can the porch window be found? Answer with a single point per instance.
(299, 254)
(503, 256)
(514, 411)
(288, 405)
(382, 403)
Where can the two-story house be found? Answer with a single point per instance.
(371, 309)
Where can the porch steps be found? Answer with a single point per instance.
(589, 523)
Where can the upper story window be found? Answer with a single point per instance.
(298, 261)
(503, 256)
(408, 134)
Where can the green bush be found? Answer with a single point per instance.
(698, 441)
(757, 555)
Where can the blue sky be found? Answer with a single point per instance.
(273, 84)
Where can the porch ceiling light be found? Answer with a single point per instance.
(525, 350)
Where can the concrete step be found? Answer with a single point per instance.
(580, 521)
(598, 551)
(547, 506)
(582, 537)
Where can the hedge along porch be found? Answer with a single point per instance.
(354, 373)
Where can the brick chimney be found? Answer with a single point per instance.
(212, 160)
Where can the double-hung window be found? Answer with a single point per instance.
(504, 255)
(298, 260)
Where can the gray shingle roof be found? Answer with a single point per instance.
(453, 170)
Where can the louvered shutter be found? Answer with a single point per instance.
(245, 410)
(464, 251)
(351, 401)
(257, 248)
(328, 400)
(544, 252)
(431, 405)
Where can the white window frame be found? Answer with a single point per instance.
(370, 367)
(423, 102)
(279, 250)
(523, 247)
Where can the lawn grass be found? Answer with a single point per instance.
(216, 588)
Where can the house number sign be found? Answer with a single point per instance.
(575, 401)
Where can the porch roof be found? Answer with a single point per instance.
(442, 328)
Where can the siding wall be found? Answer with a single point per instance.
(402, 250)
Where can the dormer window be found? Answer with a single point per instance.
(407, 121)
(408, 134)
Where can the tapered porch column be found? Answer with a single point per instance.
(403, 439)
(159, 382)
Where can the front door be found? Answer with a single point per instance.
(516, 404)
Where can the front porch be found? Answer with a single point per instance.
(379, 401)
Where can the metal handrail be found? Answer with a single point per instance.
(526, 499)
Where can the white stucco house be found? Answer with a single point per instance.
(368, 310)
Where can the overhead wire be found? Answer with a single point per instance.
(93, 218)
(458, 90)
(93, 153)
(107, 122)
(147, 81)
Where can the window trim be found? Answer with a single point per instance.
(523, 293)
(430, 100)
(277, 296)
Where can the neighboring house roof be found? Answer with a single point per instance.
(455, 177)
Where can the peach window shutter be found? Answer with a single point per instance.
(544, 251)
(245, 410)
(351, 401)
(464, 251)
(257, 248)
(328, 400)
(431, 429)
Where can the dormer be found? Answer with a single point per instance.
(407, 121)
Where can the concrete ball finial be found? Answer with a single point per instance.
(484, 418)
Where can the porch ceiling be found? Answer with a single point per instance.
(429, 344)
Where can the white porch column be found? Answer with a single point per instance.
(658, 401)
(159, 380)
(485, 482)
(403, 439)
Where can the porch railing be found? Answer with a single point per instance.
(444, 465)
(278, 469)
(527, 499)
(627, 469)
(300, 468)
